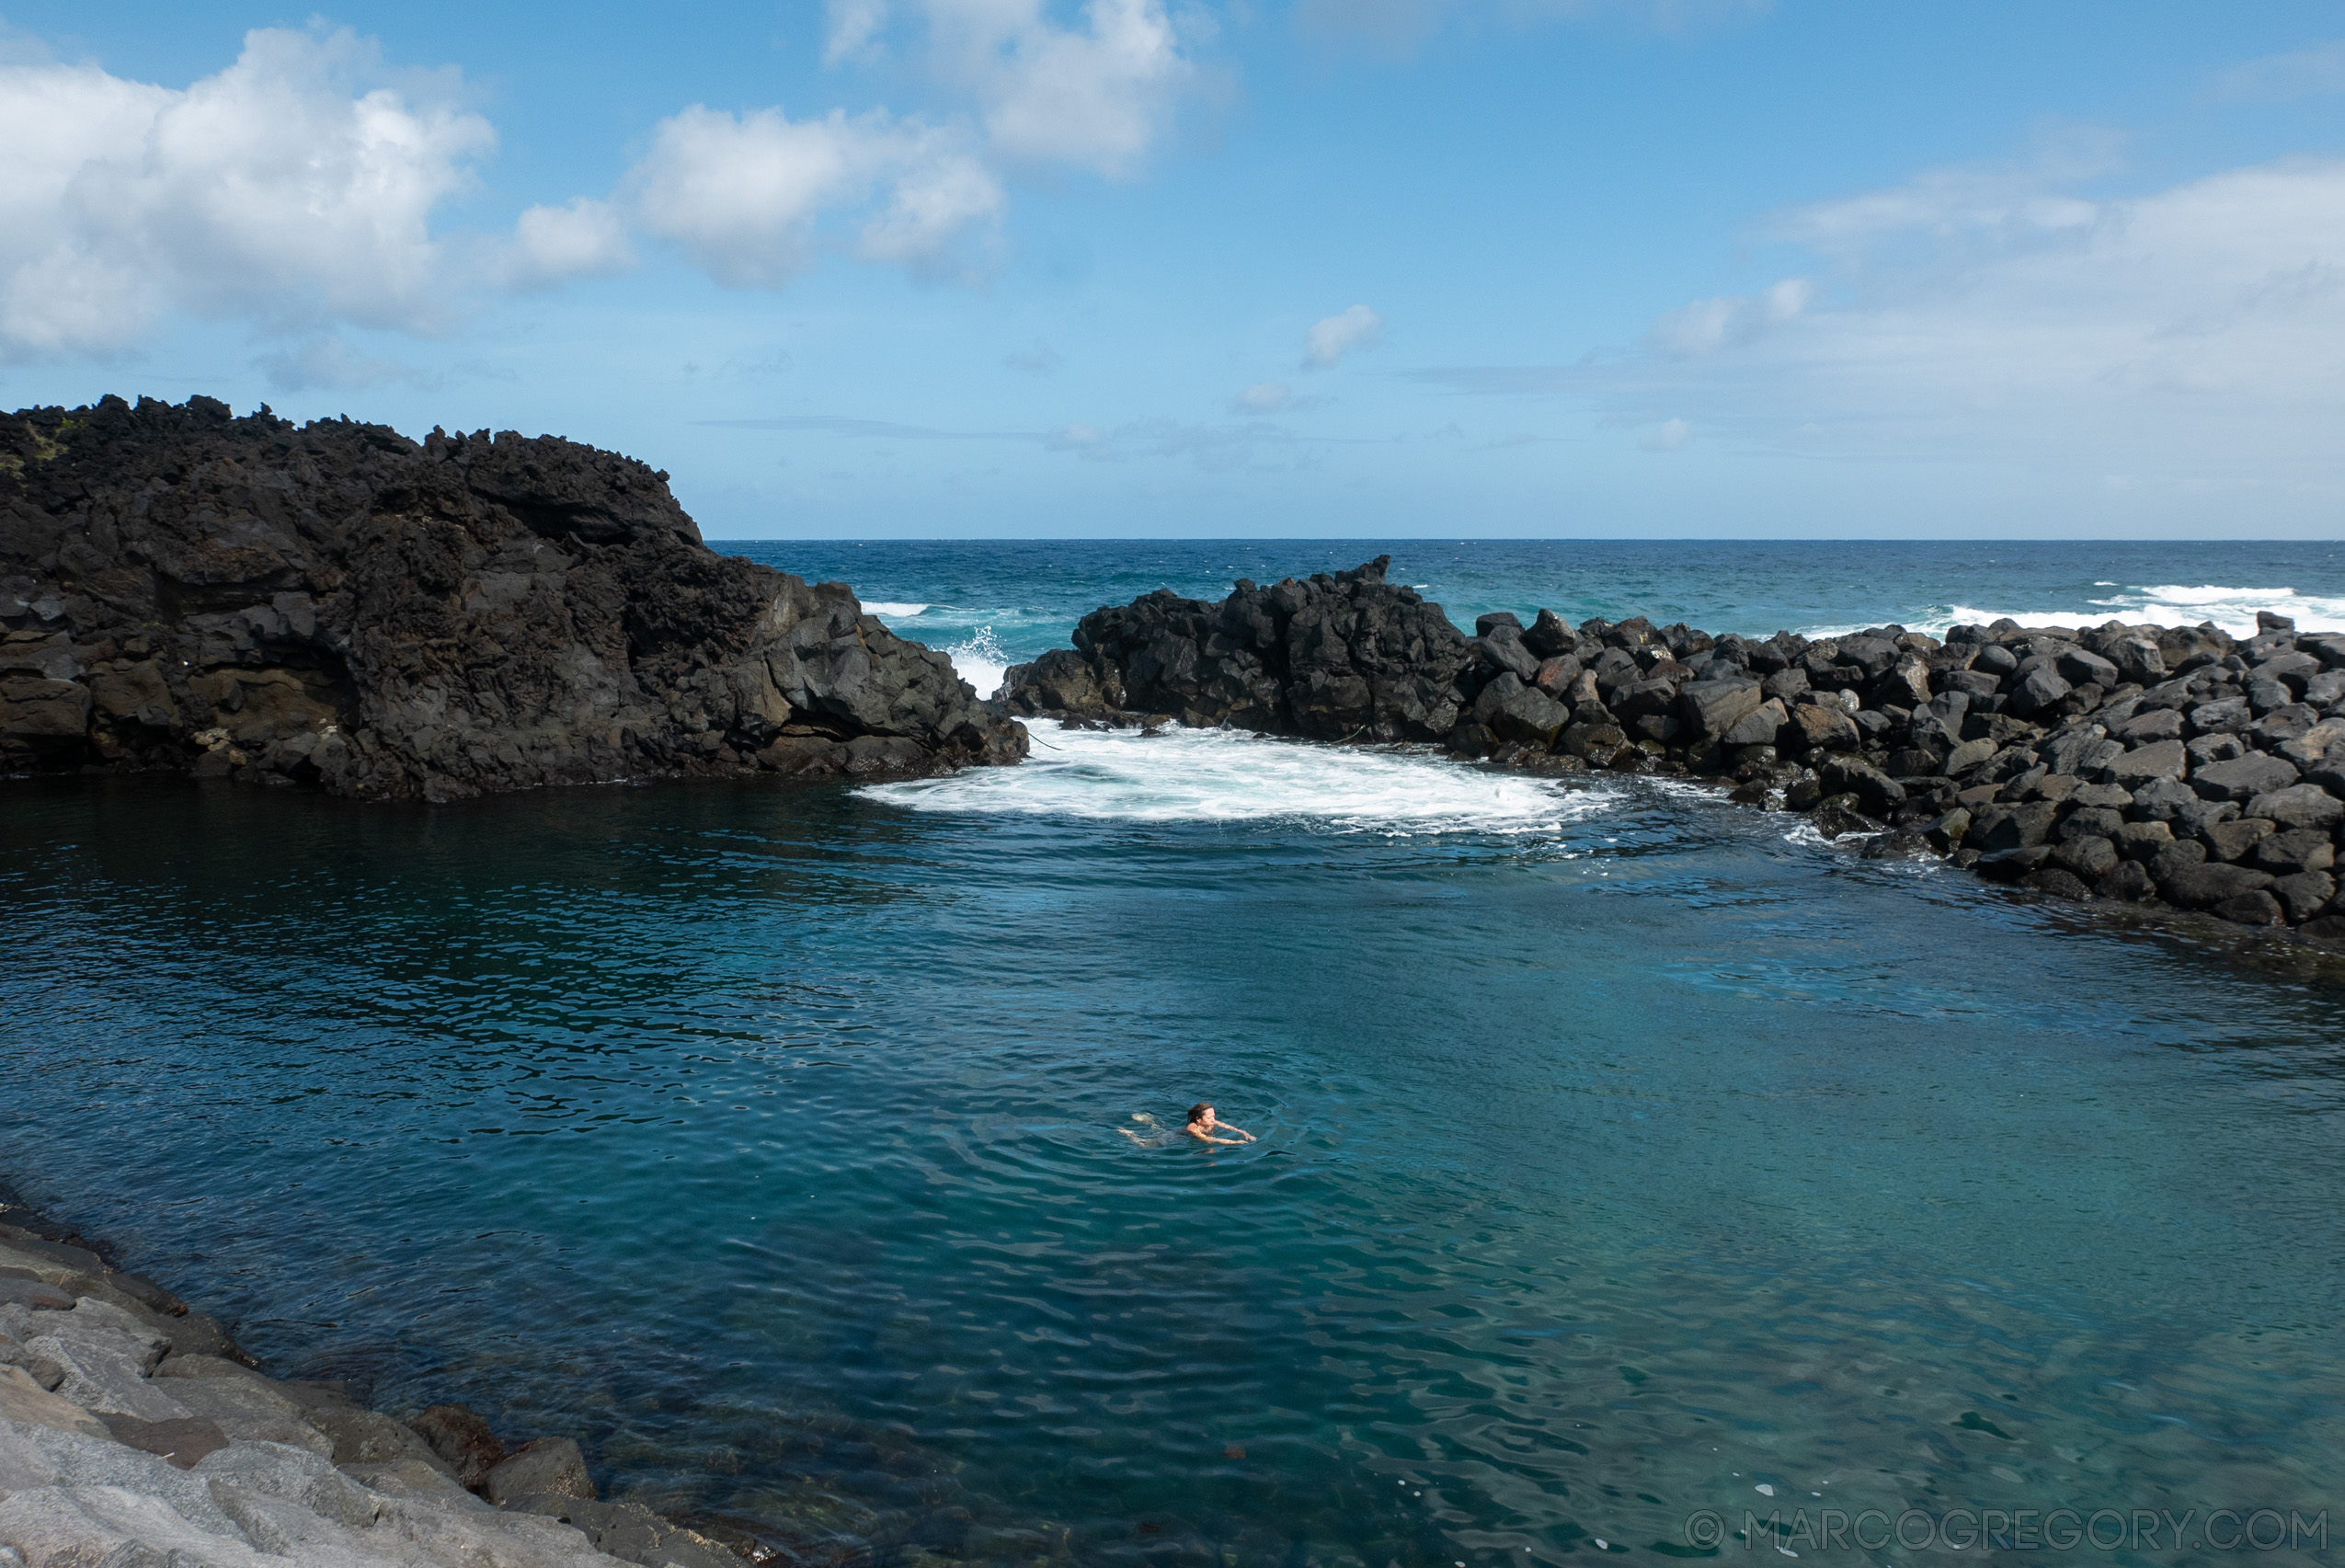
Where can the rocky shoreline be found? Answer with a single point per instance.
(335, 604)
(135, 1431)
(2158, 768)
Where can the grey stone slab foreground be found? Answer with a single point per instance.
(119, 1448)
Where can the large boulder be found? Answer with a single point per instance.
(2037, 690)
(549, 1466)
(1713, 708)
(1817, 727)
(2212, 883)
(1347, 656)
(1512, 711)
(2299, 806)
(1841, 773)
(334, 603)
(2020, 826)
(2243, 778)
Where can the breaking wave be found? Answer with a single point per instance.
(1210, 775)
(980, 661)
(2165, 604)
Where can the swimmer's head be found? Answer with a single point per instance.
(1200, 1113)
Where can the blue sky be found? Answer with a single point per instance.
(1408, 267)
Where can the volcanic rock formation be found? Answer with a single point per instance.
(1331, 657)
(2165, 767)
(181, 589)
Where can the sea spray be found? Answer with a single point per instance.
(980, 661)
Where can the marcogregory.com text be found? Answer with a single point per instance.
(2010, 1530)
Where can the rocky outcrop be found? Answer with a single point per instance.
(181, 589)
(1333, 657)
(2157, 767)
(133, 1430)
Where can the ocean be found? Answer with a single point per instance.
(993, 602)
(1635, 1173)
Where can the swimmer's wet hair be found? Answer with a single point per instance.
(1197, 1111)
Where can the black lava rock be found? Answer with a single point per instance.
(337, 604)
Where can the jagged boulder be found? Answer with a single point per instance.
(181, 589)
(1339, 656)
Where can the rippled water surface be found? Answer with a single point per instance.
(1622, 1152)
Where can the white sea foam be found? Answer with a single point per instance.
(980, 661)
(2165, 604)
(893, 609)
(1205, 775)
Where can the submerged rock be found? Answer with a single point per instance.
(181, 589)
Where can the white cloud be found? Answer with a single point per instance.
(1266, 397)
(1969, 207)
(746, 196)
(2192, 337)
(851, 29)
(1094, 98)
(1706, 325)
(292, 188)
(2303, 73)
(585, 239)
(2196, 332)
(1331, 338)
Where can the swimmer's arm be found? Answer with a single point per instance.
(1207, 1137)
(1241, 1133)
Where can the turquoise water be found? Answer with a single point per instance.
(1621, 1151)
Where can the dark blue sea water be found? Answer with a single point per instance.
(1623, 1154)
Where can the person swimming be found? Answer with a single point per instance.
(1204, 1124)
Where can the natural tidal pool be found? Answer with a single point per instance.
(1620, 1156)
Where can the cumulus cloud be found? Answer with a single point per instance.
(1331, 338)
(296, 188)
(755, 198)
(1096, 97)
(748, 197)
(1706, 325)
(292, 188)
(585, 239)
(851, 29)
